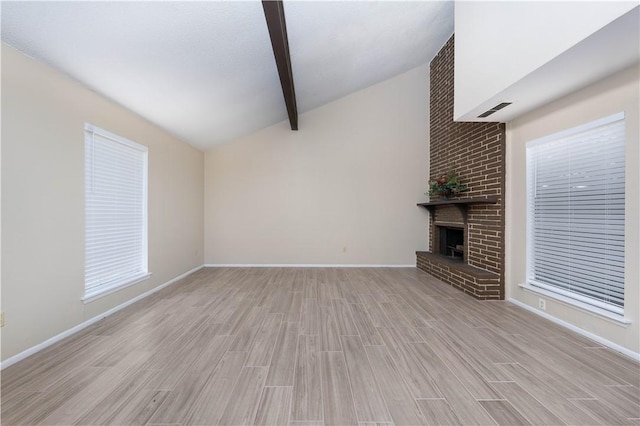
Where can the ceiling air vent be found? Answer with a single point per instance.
(494, 109)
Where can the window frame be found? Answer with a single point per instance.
(589, 304)
(101, 290)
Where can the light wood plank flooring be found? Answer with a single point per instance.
(311, 346)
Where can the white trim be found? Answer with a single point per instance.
(100, 291)
(577, 301)
(594, 337)
(40, 346)
(557, 279)
(298, 265)
(116, 138)
(141, 272)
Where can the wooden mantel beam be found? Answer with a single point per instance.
(274, 14)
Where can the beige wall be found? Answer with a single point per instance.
(341, 190)
(43, 116)
(614, 94)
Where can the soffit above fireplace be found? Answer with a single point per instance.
(542, 65)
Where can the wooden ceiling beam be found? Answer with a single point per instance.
(274, 14)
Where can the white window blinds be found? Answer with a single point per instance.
(576, 201)
(115, 212)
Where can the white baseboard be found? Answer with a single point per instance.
(298, 265)
(40, 346)
(585, 333)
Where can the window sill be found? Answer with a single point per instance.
(99, 292)
(584, 307)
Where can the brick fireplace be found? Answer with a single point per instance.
(476, 152)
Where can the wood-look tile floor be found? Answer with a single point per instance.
(309, 346)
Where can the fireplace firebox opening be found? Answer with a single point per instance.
(452, 242)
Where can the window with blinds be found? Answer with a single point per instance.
(576, 202)
(115, 212)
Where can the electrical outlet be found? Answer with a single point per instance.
(542, 304)
(1, 319)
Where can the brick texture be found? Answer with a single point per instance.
(476, 151)
(481, 285)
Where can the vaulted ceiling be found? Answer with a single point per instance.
(205, 71)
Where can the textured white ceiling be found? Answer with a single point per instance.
(205, 71)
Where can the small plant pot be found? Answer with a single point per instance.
(445, 195)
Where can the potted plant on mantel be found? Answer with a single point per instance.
(447, 185)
